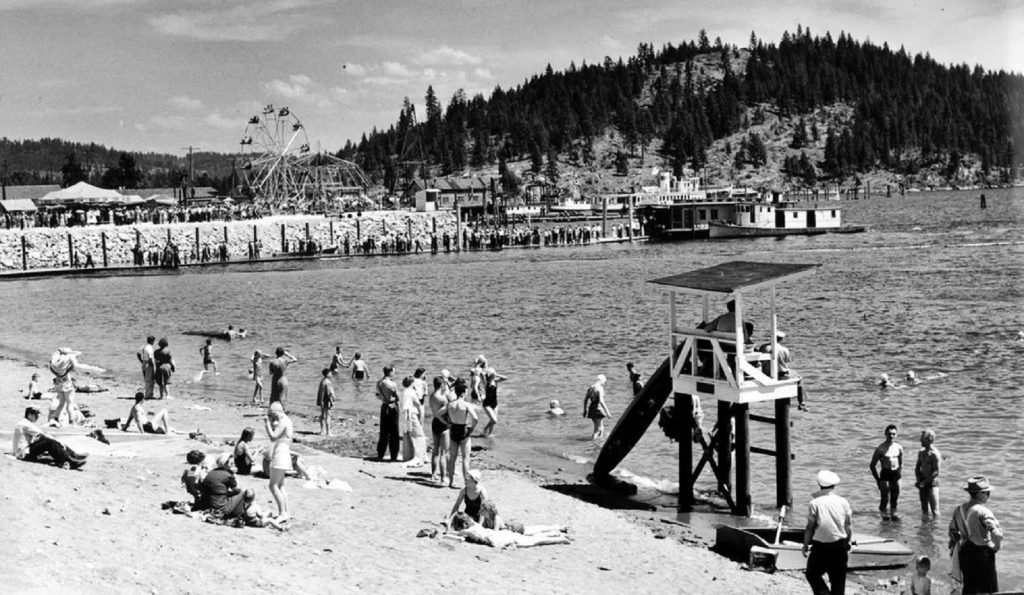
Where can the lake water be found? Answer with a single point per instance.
(935, 285)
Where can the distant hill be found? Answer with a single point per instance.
(806, 112)
(44, 161)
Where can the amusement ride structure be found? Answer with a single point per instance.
(282, 173)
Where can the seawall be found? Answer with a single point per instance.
(50, 248)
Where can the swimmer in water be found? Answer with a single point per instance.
(912, 378)
(554, 408)
(885, 382)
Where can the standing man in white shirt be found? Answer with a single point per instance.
(148, 362)
(827, 535)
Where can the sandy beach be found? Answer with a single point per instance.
(101, 529)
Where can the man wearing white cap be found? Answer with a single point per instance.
(829, 530)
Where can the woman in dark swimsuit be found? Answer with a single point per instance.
(491, 380)
(473, 495)
(464, 419)
(164, 366)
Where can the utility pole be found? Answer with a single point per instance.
(191, 175)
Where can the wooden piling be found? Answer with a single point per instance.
(359, 232)
(458, 229)
(408, 226)
(604, 216)
(307, 231)
(103, 247)
(24, 253)
(284, 240)
(742, 497)
(225, 234)
(199, 253)
(71, 251)
(724, 447)
(630, 224)
(684, 419)
(783, 478)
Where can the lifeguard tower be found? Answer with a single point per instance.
(721, 364)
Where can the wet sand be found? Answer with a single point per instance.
(101, 529)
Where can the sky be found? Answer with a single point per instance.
(165, 75)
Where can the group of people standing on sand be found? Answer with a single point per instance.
(403, 412)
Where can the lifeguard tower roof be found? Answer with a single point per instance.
(735, 276)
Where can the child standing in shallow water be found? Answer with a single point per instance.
(927, 474)
(920, 584)
(257, 377)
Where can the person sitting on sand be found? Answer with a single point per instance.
(473, 532)
(221, 492)
(298, 466)
(472, 494)
(30, 442)
(245, 456)
(490, 519)
(193, 477)
(555, 409)
(159, 424)
(33, 391)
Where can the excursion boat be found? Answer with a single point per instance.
(778, 217)
(786, 546)
(571, 206)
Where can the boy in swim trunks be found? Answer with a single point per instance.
(207, 352)
(160, 424)
(927, 474)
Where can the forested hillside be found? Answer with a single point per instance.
(842, 108)
(56, 161)
(805, 111)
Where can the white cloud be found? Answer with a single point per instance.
(183, 102)
(483, 73)
(383, 81)
(234, 20)
(286, 89)
(216, 120)
(170, 122)
(395, 69)
(447, 56)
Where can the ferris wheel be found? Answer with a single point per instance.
(274, 143)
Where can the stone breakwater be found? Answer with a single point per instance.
(52, 248)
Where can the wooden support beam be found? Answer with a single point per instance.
(783, 468)
(742, 413)
(757, 450)
(762, 418)
(724, 446)
(684, 417)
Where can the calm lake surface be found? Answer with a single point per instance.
(935, 285)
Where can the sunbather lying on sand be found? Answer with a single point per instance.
(474, 532)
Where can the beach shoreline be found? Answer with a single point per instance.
(102, 528)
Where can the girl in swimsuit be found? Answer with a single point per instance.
(257, 377)
(473, 495)
(279, 429)
(464, 419)
(492, 379)
(594, 407)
